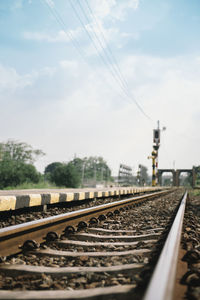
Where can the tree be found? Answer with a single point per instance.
(186, 180)
(50, 169)
(92, 168)
(13, 173)
(197, 171)
(16, 164)
(21, 152)
(66, 175)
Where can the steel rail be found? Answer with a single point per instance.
(161, 286)
(14, 236)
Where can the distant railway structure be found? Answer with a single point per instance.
(176, 175)
(125, 175)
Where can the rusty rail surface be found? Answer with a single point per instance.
(162, 283)
(14, 236)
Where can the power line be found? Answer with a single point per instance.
(74, 41)
(94, 44)
(115, 71)
(108, 55)
(107, 48)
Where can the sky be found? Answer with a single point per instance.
(93, 77)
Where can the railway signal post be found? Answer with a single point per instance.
(154, 154)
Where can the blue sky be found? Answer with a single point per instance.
(65, 99)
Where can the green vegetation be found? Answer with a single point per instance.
(197, 170)
(195, 192)
(29, 185)
(51, 167)
(16, 164)
(18, 172)
(78, 171)
(65, 175)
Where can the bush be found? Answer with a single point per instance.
(13, 173)
(16, 164)
(65, 175)
(50, 169)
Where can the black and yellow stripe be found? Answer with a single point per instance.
(30, 200)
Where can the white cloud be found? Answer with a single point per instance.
(198, 60)
(103, 9)
(133, 36)
(92, 117)
(11, 80)
(112, 8)
(104, 35)
(109, 10)
(60, 36)
(50, 3)
(69, 64)
(167, 89)
(47, 71)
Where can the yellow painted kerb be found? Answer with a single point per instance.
(7, 202)
(35, 199)
(54, 198)
(81, 196)
(91, 195)
(99, 194)
(70, 197)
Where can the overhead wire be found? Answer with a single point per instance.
(113, 68)
(94, 44)
(72, 38)
(106, 48)
(110, 52)
(108, 55)
(115, 73)
(60, 21)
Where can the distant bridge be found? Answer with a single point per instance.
(176, 175)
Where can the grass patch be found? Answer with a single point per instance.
(30, 186)
(195, 191)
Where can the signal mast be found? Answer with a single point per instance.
(154, 154)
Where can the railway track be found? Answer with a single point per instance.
(104, 252)
(18, 207)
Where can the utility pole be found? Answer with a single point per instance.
(83, 173)
(95, 173)
(154, 155)
(138, 175)
(102, 169)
